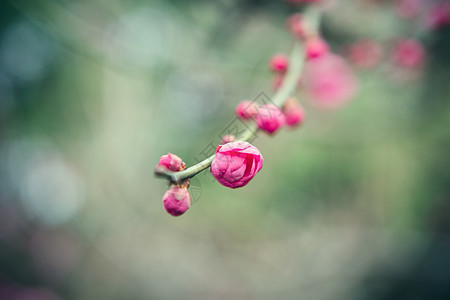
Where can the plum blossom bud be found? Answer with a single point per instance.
(228, 139)
(247, 109)
(329, 81)
(270, 118)
(293, 112)
(279, 63)
(316, 47)
(298, 26)
(365, 53)
(236, 164)
(177, 200)
(409, 53)
(171, 162)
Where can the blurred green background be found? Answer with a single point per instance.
(353, 205)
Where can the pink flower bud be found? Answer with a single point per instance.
(298, 26)
(316, 47)
(279, 63)
(171, 162)
(409, 53)
(329, 81)
(177, 200)
(228, 139)
(365, 53)
(293, 112)
(270, 118)
(247, 109)
(236, 164)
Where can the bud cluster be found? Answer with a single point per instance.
(177, 199)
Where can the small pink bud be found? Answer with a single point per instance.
(279, 63)
(409, 53)
(270, 118)
(236, 164)
(293, 112)
(365, 53)
(298, 26)
(228, 139)
(247, 109)
(316, 47)
(171, 162)
(177, 200)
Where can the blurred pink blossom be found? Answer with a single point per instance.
(409, 53)
(439, 15)
(365, 53)
(293, 112)
(408, 8)
(329, 81)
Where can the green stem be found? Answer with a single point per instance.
(296, 64)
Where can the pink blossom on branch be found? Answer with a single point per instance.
(293, 112)
(236, 164)
(316, 47)
(279, 63)
(270, 118)
(177, 200)
(298, 26)
(247, 109)
(329, 81)
(171, 162)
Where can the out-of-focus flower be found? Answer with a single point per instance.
(228, 139)
(247, 109)
(408, 8)
(409, 53)
(293, 112)
(177, 200)
(365, 53)
(298, 26)
(236, 164)
(270, 118)
(279, 63)
(171, 162)
(316, 47)
(439, 15)
(329, 81)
